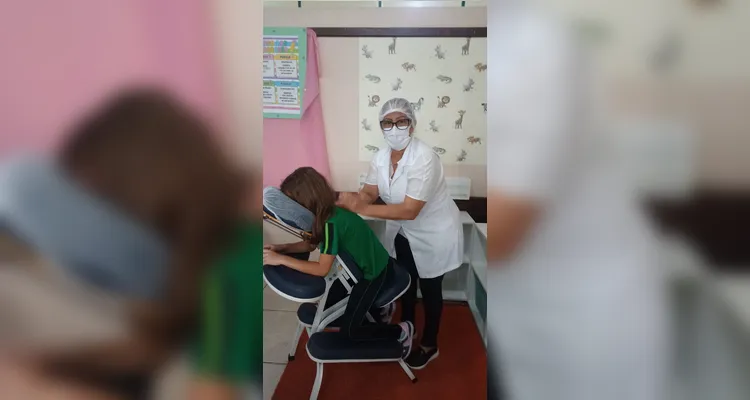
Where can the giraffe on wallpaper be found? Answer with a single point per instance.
(392, 47)
(460, 121)
(465, 47)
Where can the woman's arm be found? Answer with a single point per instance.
(406, 211)
(369, 194)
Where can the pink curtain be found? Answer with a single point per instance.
(61, 57)
(292, 143)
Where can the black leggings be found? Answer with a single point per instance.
(354, 324)
(432, 294)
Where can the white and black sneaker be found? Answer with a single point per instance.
(407, 336)
(420, 358)
(386, 313)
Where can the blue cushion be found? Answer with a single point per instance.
(292, 283)
(281, 219)
(286, 210)
(397, 281)
(306, 311)
(333, 346)
(306, 315)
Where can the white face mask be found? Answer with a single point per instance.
(398, 139)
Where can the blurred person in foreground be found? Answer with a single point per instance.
(113, 243)
(576, 302)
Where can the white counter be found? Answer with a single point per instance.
(482, 228)
(467, 283)
(734, 290)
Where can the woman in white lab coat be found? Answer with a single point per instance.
(576, 307)
(423, 228)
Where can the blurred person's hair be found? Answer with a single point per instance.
(149, 154)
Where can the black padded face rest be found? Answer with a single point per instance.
(293, 283)
(334, 346)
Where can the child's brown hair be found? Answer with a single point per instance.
(311, 190)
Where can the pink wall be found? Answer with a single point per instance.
(292, 143)
(61, 57)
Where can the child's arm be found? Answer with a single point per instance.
(329, 247)
(317, 268)
(299, 247)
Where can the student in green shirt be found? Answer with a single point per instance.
(227, 355)
(337, 230)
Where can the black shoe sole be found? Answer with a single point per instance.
(434, 356)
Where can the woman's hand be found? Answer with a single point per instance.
(351, 201)
(271, 257)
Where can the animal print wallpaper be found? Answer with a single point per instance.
(445, 80)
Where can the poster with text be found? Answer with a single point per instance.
(445, 79)
(284, 62)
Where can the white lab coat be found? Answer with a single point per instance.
(578, 312)
(436, 235)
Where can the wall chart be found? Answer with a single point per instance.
(284, 66)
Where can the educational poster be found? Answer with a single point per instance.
(284, 62)
(443, 78)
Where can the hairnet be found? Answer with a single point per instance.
(399, 105)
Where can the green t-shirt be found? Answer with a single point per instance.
(347, 232)
(229, 344)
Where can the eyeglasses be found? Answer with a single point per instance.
(402, 124)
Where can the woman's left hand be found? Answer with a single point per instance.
(351, 202)
(271, 257)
